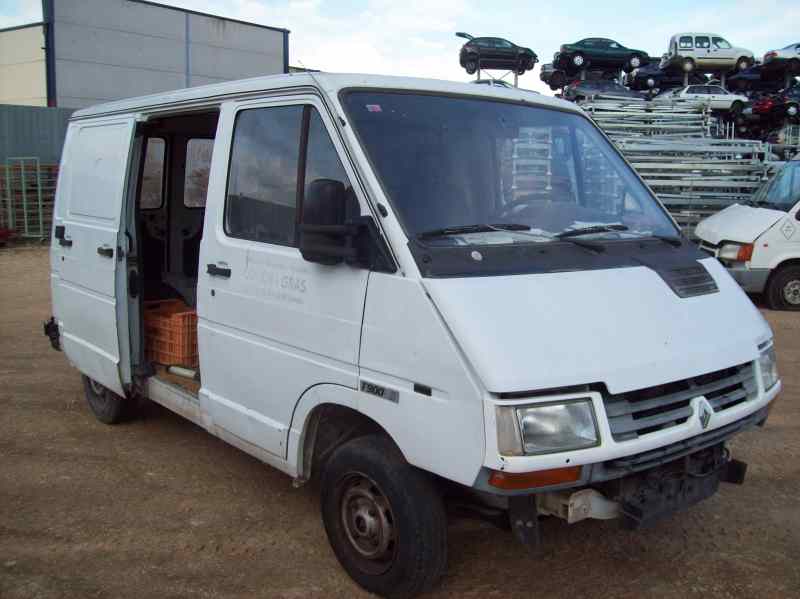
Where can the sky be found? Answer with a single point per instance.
(397, 37)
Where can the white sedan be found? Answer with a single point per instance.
(715, 96)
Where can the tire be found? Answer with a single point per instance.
(688, 65)
(107, 406)
(368, 485)
(471, 66)
(635, 61)
(783, 289)
(557, 80)
(578, 60)
(743, 63)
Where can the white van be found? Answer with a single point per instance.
(705, 52)
(413, 289)
(759, 243)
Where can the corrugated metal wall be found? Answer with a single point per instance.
(32, 131)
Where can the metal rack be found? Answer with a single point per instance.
(27, 189)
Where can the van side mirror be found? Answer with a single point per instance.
(332, 231)
(323, 229)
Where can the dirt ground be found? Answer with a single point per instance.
(159, 508)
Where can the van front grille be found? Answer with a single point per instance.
(637, 413)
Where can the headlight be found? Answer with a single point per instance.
(769, 367)
(546, 428)
(736, 252)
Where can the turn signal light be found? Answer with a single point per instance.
(745, 253)
(515, 481)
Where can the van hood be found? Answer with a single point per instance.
(623, 327)
(737, 223)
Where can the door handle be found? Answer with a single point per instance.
(60, 233)
(106, 251)
(218, 271)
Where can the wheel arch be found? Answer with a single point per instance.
(326, 416)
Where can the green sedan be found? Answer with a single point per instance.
(599, 52)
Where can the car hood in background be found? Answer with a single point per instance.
(623, 327)
(737, 223)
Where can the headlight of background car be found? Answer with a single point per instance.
(769, 368)
(737, 252)
(546, 428)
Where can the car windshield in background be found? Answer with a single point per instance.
(475, 171)
(782, 191)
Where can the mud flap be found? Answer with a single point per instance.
(524, 519)
(51, 331)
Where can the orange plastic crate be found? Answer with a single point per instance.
(170, 332)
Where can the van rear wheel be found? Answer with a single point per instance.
(384, 518)
(783, 290)
(107, 406)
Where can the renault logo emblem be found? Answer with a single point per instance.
(705, 415)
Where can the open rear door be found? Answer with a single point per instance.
(88, 266)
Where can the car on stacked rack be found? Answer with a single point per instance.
(583, 90)
(496, 53)
(705, 52)
(788, 57)
(597, 52)
(715, 96)
(651, 76)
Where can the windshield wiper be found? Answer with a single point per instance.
(591, 230)
(460, 230)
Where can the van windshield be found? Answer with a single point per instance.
(782, 191)
(478, 171)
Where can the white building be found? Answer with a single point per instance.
(91, 51)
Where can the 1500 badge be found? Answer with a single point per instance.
(382, 392)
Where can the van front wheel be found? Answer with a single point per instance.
(384, 518)
(783, 290)
(107, 406)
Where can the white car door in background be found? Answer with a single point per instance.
(718, 97)
(722, 52)
(88, 279)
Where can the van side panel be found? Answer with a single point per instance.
(405, 341)
(85, 254)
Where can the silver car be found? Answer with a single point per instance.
(789, 55)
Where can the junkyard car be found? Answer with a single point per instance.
(788, 57)
(715, 96)
(582, 90)
(652, 76)
(597, 52)
(496, 53)
(705, 52)
(759, 243)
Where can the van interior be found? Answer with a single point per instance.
(169, 215)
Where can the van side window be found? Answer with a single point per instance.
(702, 42)
(198, 166)
(261, 198)
(721, 43)
(322, 161)
(686, 42)
(151, 195)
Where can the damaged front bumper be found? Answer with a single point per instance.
(641, 488)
